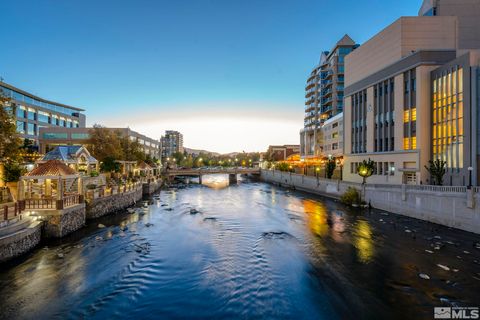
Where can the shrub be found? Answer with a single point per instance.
(94, 173)
(351, 196)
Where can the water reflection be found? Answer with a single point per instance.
(363, 241)
(245, 252)
(215, 181)
(316, 214)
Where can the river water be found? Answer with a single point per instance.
(248, 251)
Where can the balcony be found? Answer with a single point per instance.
(310, 85)
(327, 100)
(310, 93)
(309, 101)
(329, 74)
(326, 92)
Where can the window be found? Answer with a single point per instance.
(31, 115)
(31, 129)
(80, 136)
(21, 112)
(54, 135)
(43, 117)
(21, 127)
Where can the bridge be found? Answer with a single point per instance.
(232, 172)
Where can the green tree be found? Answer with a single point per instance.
(109, 165)
(365, 169)
(330, 168)
(12, 171)
(9, 141)
(283, 166)
(437, 169)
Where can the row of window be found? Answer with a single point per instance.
(447, 113)
(40, 116)
(379, 168)
(19, 97)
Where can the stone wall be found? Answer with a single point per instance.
(62, 222)
(105, 205)
(151, 187)
(450, 206)
(20, 242)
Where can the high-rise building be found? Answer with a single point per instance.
(411, 95)
(171, 143)
(32, 113)
(324, 97)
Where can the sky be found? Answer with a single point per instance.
(229, 74)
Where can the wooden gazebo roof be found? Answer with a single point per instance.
(51, 168)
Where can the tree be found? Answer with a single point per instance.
(12, 171)
(9, 141)
(437, 170)
(365, 169)
(283, 166)
(109, 165)
(330, 168)
(104, 143)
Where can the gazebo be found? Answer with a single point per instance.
(51, 185)
(76, 157)
(145, 170)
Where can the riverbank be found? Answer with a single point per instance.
(455, 207)
(23, 233)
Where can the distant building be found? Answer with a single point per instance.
(281, 153)
(332, 132)
(33, 113)
(324, 96)
(171, 143)
(50, 138)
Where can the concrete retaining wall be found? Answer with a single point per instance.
(20, 242)
(151, 187)
(105, 205)
(458, 209)
(63, 222)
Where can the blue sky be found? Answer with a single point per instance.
(230, 74)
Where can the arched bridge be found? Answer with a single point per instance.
(232, 172)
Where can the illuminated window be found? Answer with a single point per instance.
(413, 112)
(406, 143)
(406, 116)
(414, 143)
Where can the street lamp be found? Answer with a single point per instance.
(470, 170)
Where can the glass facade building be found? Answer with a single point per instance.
(33, 113)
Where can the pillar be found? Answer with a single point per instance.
(48, 187)
(232, 178)
(59, 189)
(80, 186)
(200, 179)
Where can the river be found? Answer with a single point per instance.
(248, 251)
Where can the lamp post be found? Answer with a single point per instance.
(470, 169)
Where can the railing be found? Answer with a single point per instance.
(437, 188)
(107, 192)
(40, 204)
(9, 212)
(71, 200)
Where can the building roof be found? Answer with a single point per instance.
(68, 154)
(144, 166)
(52, 168)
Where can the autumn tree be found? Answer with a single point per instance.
(9, 141)
(104, 143)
